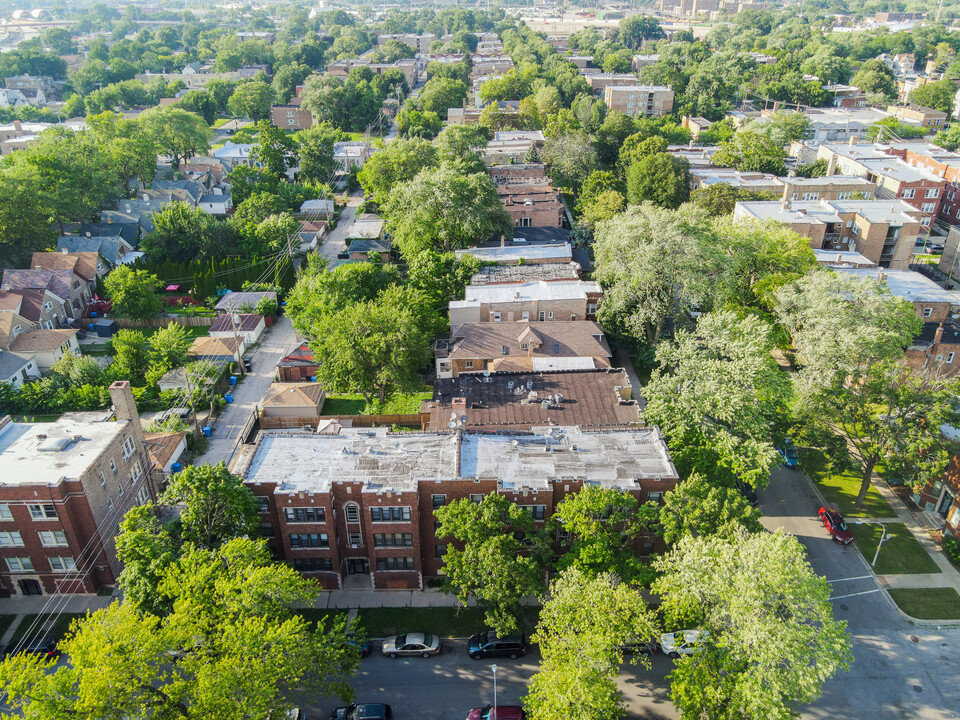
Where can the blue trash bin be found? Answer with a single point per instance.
(91, 326)
(233, 379)
(206, 430)
(176, 467)
(93, 314)
(228, 397)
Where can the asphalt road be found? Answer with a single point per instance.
(900, 671)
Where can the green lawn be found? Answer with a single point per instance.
(442, 621)
(192, 332)
(841, 491)
(5, 622)
(354, 404)
(343, 404)
(928, 603)
(95, 350)
(901, 553)
(59, 629)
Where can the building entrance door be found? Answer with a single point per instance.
(946, 500)
(358, 566)
(30, 587)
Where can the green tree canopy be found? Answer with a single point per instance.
(316, 151)
(131, 356)
(771, 638)
(661, 179)
(497, 556)
(274, 150)
(753, 152)
(178, 133)
(133, 293)
(702, 508)
(251, 99)
(444, 210)
(397, 162)
(721, 198)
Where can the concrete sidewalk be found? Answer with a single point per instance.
(343, 599)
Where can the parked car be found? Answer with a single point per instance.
(365, 646)
(503, 712)
(423, 644)
(649, 647)
(367, 711)
(181, 413)
(489, 644)
(296, 714)
(46, 648)
(684, 642)
(788, 451)
(835, 524)
(746, 489)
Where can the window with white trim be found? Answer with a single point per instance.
(5, 513)
(103, 480)
(468, 363)
(933, 193)
(143, 497)
(351, 512)
(496, 317)
(927, 312)
(19, 564)
(390, 514)
(62, 564)
(949, 359)
(136, 472)
(129, 447)
(52, 538)
(11, 539)
(263, 504)
(305, 514)
(355, 539)
(477, 498)
(908, 193)
(113, 466)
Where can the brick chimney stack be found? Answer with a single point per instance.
(938, 336)
(125, 407)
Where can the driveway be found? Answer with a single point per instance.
(275, 344)
(336, 241)
(900, 670)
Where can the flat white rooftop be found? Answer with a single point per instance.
(530, 291)
(70, 446)
(842, 257)
(516, 251)
(906, 284)
(893, 212)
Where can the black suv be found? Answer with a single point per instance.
(488, 644)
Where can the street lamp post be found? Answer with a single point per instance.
(494, 668)
(883, 537)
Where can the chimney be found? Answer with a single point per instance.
(503, 240)
(18, 126)
(854, 139)
(832, 165)
(881, 277)
(938, 336)
(123, 403)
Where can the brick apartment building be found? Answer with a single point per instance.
(66, 486)
(291, 117)
(936, 349)
(931, 302)
(942, 163)
(633, 99)
(940, 499)
(884, 231)
(535, 301)
(361, 502)
(830, 187)
(528, 195)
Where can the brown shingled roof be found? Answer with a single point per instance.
(162, 446)
(41, 340)
(574, 338)
(294, 395)
(83, 264)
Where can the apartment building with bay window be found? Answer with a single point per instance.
(355, 507)
(64, 487)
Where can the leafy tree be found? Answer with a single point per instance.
(662, 179)
(751, 152)
(603, 524)
(287, 78)
(570, 158)
(232, 646)
(414, 123)
(721, 198)
(875, 77)
(604, 206)
(718, 388)
(253, 100)
(613, 131)
(461, 147)
(840, 325)
(178, 133)
(169, 346)
(59, 41)
(444, 210)
(257, 208)
(132, 151)
(440, 94)
(891, 128)
(397, 162)
(652, 264)
(24, 217)
(782, 128)
(441, 277)
(349, 105)
(216, 505)
(701, 508)
(77, 371)
(583, 626)
(374, 347)
(133, 293)
(598, 182)
(271, 235)
(817, 168)
(316, 151)
(320, 292)
(771, 638)
(200, 102)
(274, 149)
(637, 28)
(180, 234)
(948, 139)
(489, 561)
(131, 356)
(146, 549)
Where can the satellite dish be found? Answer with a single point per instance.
(453, 416)
(486, 373)
(452, 425)
(463, 418)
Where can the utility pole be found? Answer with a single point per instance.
(236, 336)
(190, 388)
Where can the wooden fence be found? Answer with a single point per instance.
(186, 321)
(294, 423)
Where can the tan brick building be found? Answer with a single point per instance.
(884, 231)
(831, 187)
(535, 301)
(355, 508)
(919, 115)
(931, 302)
(66, 486)
(634, 100)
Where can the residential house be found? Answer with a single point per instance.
(249, 326)
(940, 498)
(375, 249)
(67, 484)
(919, 115)
(64, 284)
(17, 369)
(695, 125)
(532, 205)
(291, 117)
(217, 349)
(129, 231)
(535, 301)
(110, 248)
(386, 488)
(12, 99)
(216, 203)
(294, 400)
(350, 154)
(511, 146)
(523, 401)
(40, 307)
(243, 301)
(639, 62)
(298, 365)
(492, 347)
(847, 96)
(46, 346)
(311, 233)
(633, 100)
(885, 231)
(931, 302)
(84, 265)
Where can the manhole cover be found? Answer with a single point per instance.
(917, 688)
(914, 638)
(843, 606)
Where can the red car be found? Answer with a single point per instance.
(834, 523)
(504, 712)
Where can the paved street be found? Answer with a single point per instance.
(276, 342)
